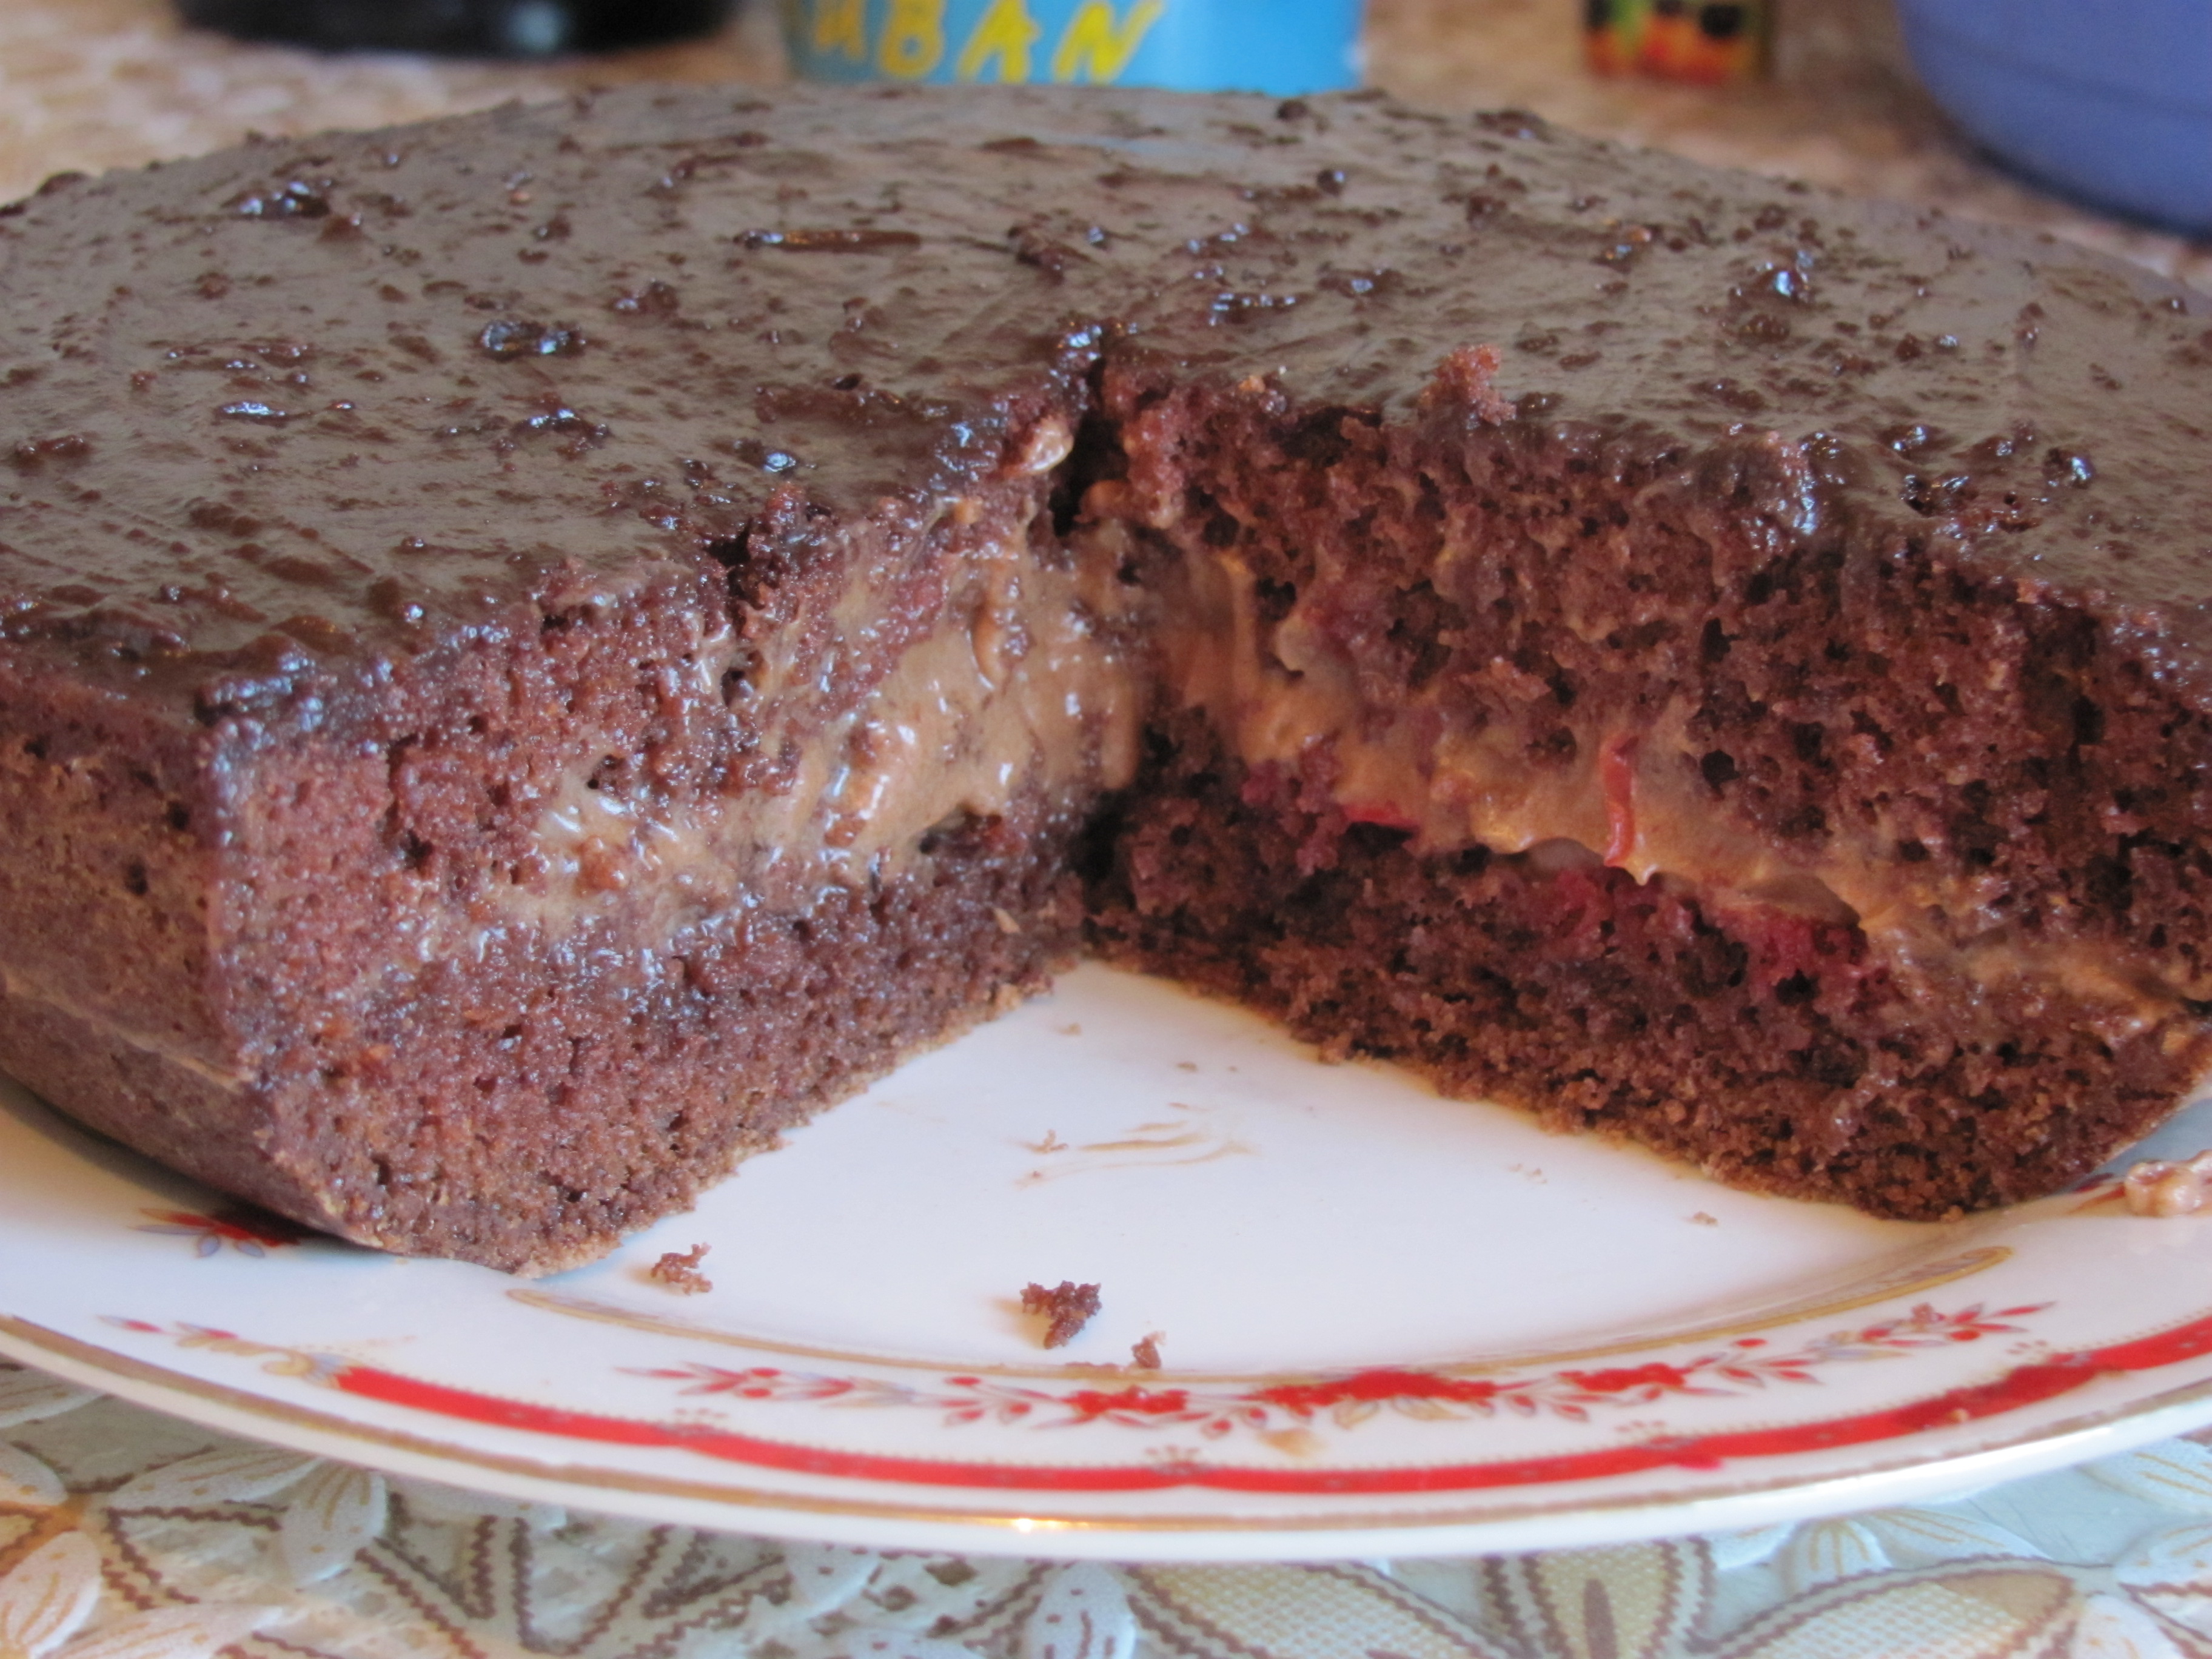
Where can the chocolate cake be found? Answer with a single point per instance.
(537, 649)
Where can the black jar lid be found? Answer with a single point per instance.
(490, 28)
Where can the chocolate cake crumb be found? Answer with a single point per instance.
(679, 1271)
(1703, 1220)
(1145, 1353)
(1068, 1305)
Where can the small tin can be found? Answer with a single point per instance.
(1281, 46)
(1708, 41)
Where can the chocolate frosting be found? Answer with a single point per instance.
(275, 418)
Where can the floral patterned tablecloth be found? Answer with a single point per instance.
(128, 1535)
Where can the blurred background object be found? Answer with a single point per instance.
(1707, 42)
(87, 84)
(2107, 99)
(1841, 105)
(485, 28)
(1281, 46)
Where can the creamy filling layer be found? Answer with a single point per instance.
(1634, 798)
(1025, 688)
(1018, 693)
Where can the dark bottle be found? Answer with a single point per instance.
(483, 29)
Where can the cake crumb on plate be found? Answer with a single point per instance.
(679, 1271)
(1068, 1305)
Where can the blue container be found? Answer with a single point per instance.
(1281, 46)
(2110, 101)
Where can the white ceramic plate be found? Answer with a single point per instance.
(1389, 1324)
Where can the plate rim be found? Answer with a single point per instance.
(1578, 1521)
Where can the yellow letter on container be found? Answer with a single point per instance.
(1097, 45)
(1006, 32)
(913, 39)
(842, 25)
